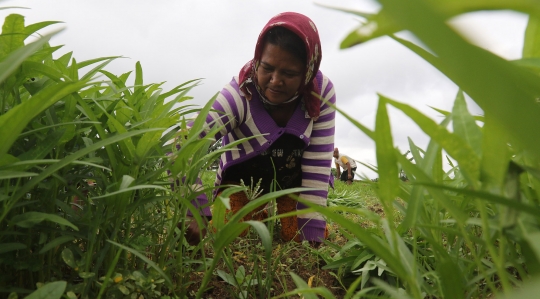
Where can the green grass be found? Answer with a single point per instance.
(470, 232)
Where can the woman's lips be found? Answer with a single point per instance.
(274, 91)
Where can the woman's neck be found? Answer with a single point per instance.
(283, 112)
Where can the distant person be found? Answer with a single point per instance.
(348, 165)
(277, 98)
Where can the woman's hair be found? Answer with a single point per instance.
(288, 41)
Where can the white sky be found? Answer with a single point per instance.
(180, 40)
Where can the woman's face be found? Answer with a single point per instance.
(279, 74)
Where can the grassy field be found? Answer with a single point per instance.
(86, 208)
(315, 266)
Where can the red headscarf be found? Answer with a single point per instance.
(307, 31)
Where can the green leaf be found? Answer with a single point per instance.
(12, 37)
(301, 284)
(228, 278)
(496, 154)
(69, 159)
(129, 189)
(266, 239)
(86, 63)
(56, 242)
(503, 90)
(454, 145)
(465, 125)
(531, 43)
(29, 219)
(386, 160)
(33, 67)
(15, 120)
(7, 247)
(85, 275)
(15, 174)
(69, 259)
(32, 28)
(126, 181)
(451, 278)
(10, 63)
(51, 290)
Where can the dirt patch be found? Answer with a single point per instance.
(287, 257)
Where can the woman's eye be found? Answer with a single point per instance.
(290, 75)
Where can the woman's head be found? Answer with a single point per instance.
(281, 66)
(287, 31)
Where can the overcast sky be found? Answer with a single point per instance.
(180, 40)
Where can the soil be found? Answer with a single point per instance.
(286, 257)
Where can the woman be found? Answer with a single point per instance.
(278, 95)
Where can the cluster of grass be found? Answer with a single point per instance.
(86, 208)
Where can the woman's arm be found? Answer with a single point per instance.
(316, 165)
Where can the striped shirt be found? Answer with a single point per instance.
(241, 118)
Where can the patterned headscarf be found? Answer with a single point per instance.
(307, 31)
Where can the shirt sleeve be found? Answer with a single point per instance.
(316, 165)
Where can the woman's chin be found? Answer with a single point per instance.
(274, 100)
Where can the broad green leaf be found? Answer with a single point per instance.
(29, 219)
(7, 247)
(56, 242)
(451, 278)
(7, 159)
(228, 278)
(529, 289)
(126, 181)
(531, 43)
(74, 70)
(499, 87)
(16, 119)
(33, 67)
(465, 126)
(385, 23)
(12, 37)
(51, 290)
(63, 61)
(496, 154)
(138, 78)
(386, 160)
(10, 63)
(69, 258)
(301, 284)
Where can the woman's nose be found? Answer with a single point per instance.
(275, 78)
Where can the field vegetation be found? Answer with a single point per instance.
(87, 209)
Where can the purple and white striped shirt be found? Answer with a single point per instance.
(243, 118)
